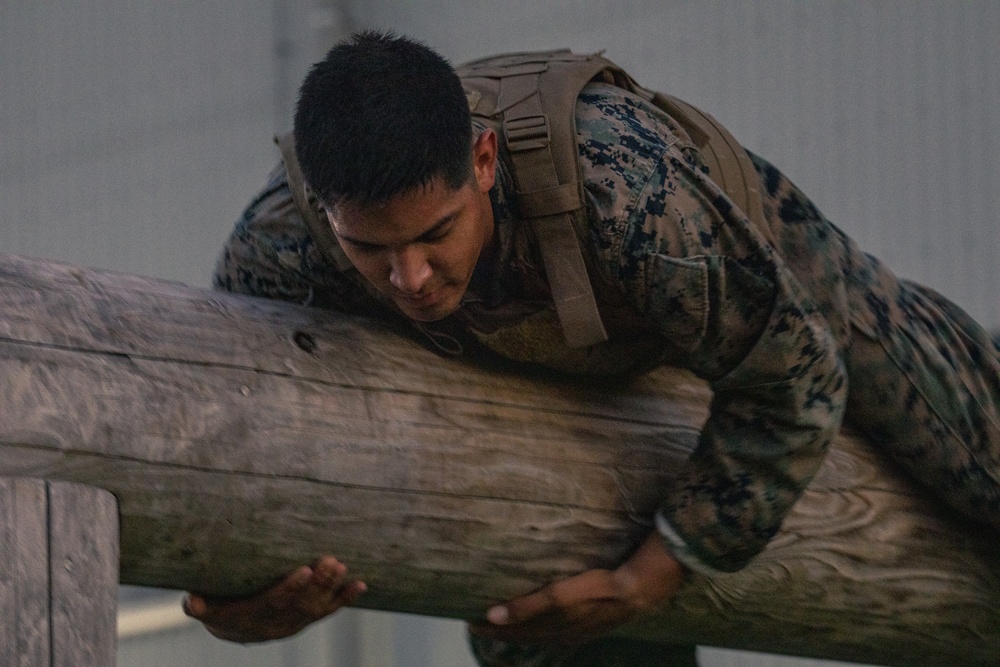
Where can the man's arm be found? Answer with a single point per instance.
(730, 310)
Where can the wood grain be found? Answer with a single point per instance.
(243, 437)
(25, 636)
(83, 565)
(58, 574)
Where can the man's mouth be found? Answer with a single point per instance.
(422, 300)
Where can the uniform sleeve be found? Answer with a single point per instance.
(271, 254)
(774, 412)
(734, 315)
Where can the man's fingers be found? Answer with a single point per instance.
(348, 594)
(525, 607)
(498, 615)
(328, 572)
(326, 590)
(194, 605)
(557, 597)
(290, 589)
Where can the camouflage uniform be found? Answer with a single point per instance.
(781, 321)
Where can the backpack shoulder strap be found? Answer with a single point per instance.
(529, 99)
(728, 163)
(318, 226)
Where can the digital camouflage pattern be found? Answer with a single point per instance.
(793, 336)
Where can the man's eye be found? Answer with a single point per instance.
(434, 237)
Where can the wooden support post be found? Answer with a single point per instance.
(244, 437)
(58, 574)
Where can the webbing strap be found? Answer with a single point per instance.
(728, 164)
(319, 228)
(549, 201)
(549, 204)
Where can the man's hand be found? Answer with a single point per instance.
(303, 597)
(589, 605)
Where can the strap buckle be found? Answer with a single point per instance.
(526, 133)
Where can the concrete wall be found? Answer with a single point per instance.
(132, 133)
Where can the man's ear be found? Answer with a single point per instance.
(484, 159)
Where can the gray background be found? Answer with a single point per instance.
(132, 133)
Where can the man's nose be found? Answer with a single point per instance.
(409, 270)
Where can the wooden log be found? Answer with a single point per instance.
(58, 574)
(244, 437)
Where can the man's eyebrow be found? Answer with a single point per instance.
(438, 226)
(430, 233)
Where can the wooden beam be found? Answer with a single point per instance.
(244, 437)
(58, 574)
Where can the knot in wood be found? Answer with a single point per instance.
(304, 342)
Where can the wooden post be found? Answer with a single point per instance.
(58, 574)
(244, 437)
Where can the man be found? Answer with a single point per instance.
(792, 325)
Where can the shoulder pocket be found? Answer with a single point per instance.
(677, 298)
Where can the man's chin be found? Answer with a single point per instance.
(429, 313)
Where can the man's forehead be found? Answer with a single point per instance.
(404, 217)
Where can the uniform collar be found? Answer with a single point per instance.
(493, 280)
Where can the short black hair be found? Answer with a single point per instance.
(381, 115)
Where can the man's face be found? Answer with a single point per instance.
(421, 247)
